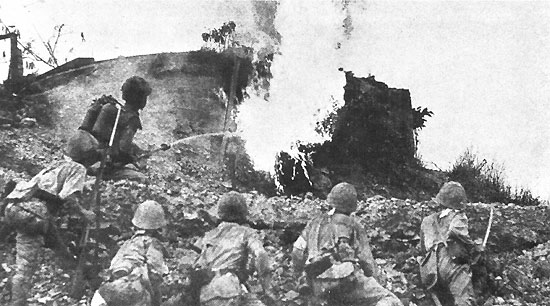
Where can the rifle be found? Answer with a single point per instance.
(78, 288)
(479, 258)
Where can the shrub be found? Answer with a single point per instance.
(485, 181)
(158, 65)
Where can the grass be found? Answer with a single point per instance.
(485, 181)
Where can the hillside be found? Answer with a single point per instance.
(189, 179)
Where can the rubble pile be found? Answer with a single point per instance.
(188, 182)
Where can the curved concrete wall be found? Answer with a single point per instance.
(184, 100)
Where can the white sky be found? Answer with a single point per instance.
(483, 68)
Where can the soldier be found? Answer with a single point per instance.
(334, 252)
(448, 248)
(97, 126)
(137, 269)
(224, 258)
(31, 208)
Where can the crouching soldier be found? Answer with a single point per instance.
(223, 264)
(137, 269)
(448, 249)
(31, 209)
(106, 114)
(334, 252)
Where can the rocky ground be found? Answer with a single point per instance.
(188, 181)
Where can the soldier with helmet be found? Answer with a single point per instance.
(335, 255)
(223, 262)
(33, 209)
(137, 270)
(448, 249)
(96, 129)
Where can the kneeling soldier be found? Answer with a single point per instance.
(334, 252)
(448, 248)
(224, 257)
(32, 209)
(138, 267)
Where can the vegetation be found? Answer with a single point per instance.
(258, 64)
(485, 182)
(375, 131)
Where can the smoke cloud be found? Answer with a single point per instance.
(305, 80)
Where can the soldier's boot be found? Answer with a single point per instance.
(28, 248)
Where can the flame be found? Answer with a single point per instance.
(305, 79)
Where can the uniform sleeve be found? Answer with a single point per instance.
(155, 258)
(299, 249)
(74, 180)
(364, 252)
(126, 138)
(262, 260)
(124, 146)
(120, 262)
(458, 229)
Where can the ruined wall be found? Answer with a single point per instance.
(184, 100)
(375, 126)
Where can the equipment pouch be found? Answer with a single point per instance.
(29, 217)
(458, 252)
(337, 280)
(428, 269)
(318, 264)
(199, 277)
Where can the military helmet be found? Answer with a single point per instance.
(452, 195)
(232, 207)
(149, 215)
(343, 197)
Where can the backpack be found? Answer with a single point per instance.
(93, 112)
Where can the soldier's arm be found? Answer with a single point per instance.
(458, 229)
(126, 147)
(364, 253)
(126, 138)
(72, 190)
(155, 260)
(74, 202)
(300, 250)
(262, 261)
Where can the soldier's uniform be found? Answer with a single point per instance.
(225, 252)
(334, 251)
(137, 269)
(30, 210)
(445, 268)
(97, 126)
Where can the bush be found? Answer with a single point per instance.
(158, 66)
(484, 181)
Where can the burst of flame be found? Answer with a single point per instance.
(305, 77)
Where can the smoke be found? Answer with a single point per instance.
(305, 79)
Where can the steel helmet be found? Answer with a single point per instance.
(149, 215)
(452, 195)
(343, 197)
(232, 207)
